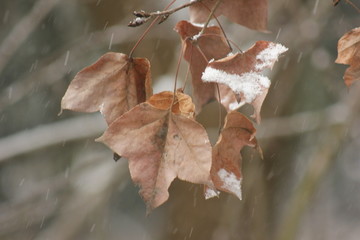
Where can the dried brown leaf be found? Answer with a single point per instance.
(226, 174)
(251, 14)
(112, 85)
(161, 144)
(212, 45)
(349, 53)
(241, 72)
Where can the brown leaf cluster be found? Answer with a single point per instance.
(349, 54)
(159, 134)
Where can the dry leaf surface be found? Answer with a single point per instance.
(241, 72)
(112, 85)
(226, 175)
(251, 14)
(349, 53)
(212, 45)
(161, 144)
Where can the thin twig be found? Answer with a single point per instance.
(220, 26)
(202, 53)
(188, 69)
(209, 17)
(142, 16)
(228, 40)
(353, 5)
(220, 114)
(178, 68)
(148, 30)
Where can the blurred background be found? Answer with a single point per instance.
(57, 183)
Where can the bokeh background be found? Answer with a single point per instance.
(57, 183)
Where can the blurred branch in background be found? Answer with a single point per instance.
(322, 156)
(23, 29)
(51, 134)
(90, 126)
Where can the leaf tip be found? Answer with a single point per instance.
(60, 112)
(100, 139)
(210, 193)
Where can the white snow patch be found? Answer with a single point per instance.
(230, 182)
(210, 193)
(200, 25)
(236, 105)
(139, 20)
(250, 84)
(267, 57)
(102, 109)
(230, 54)
(196, 37)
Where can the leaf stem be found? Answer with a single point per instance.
(353, 5)
(209, 17)
(228, 40)
(148, 30)
(220, 114)
(220, 26)
(178, 67)
(188, 69)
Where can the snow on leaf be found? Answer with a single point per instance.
(225, 171)
(241, 72)
(267, 57)
(210, 193)
(211, 45)
(349, 53)
(230, 182)
(251, 14)
(161, 144)
(249, 85)
(112, 85)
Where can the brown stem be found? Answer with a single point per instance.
(188, 70)
(353, 5)
(220, 115)
(171, 11)
(148, 30)
(178, 67)
(220, 26)
(209, 17)
(228, 40)
(202, 53)
(217, 87)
